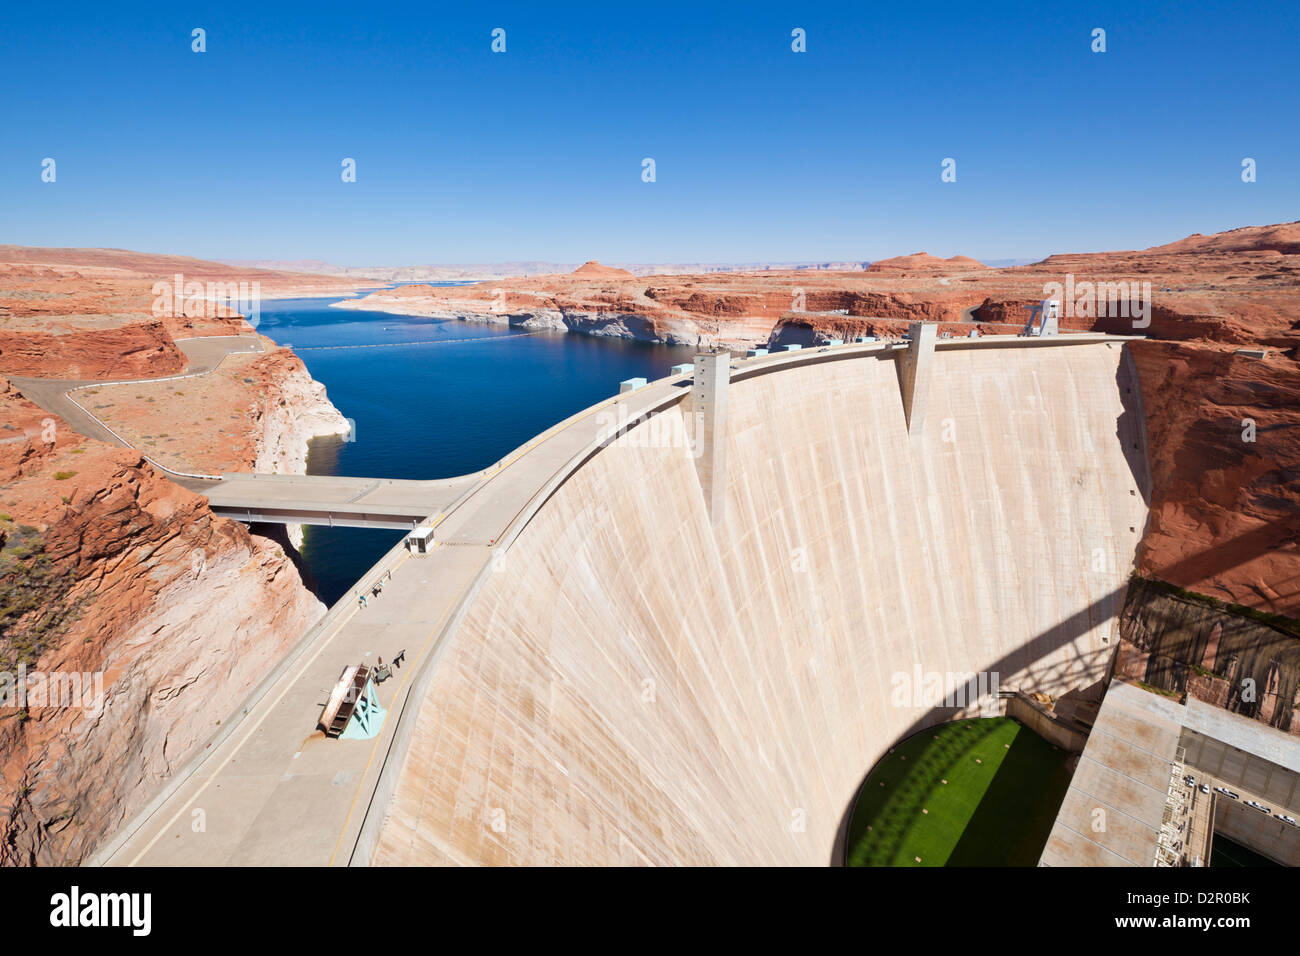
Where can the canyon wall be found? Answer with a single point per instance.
(634, 685)
(1224, 430)
(719, 309)
(107, 568)
(1245, 663)
(132, 619)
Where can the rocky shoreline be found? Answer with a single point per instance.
(300, 413)
(605, 324)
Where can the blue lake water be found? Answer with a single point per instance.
(457, 402)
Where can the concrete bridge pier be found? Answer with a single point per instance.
(709, 409)
(915, 369)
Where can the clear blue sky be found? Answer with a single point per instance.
(468, 156)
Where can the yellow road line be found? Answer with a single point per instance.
(338, 629)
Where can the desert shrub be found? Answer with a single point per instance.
(35, 608)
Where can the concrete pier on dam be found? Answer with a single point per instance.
(681, 626)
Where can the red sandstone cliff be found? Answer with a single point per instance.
(1223, 432)
(109, 569)
(138, 350)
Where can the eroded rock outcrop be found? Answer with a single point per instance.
(132, 620)
(173, 612)
(730, 309)
(924, 262)
(136, 350)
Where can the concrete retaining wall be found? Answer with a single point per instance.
(1043, 724)
(1272, 838)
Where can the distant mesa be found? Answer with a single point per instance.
(591, 269)
(124, 264)
(924, 262)
(1283, 238)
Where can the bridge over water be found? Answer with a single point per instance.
(329, 500)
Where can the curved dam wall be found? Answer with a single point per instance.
(634, 684)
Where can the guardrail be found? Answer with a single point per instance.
(150, 381)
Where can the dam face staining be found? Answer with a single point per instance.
(847, 550)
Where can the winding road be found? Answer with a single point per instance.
(55, 394)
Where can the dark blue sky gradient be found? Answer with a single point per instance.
(762, 154)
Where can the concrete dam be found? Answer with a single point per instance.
(682, 625)
(686, 658)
